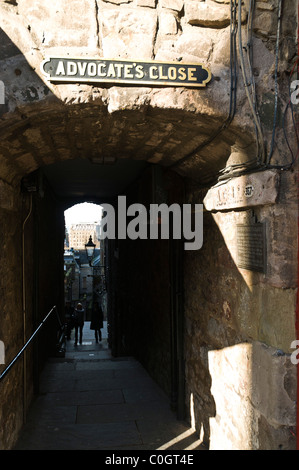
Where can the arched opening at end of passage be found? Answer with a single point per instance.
(84, 276)
(83, 212)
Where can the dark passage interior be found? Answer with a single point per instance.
(143, 331)
(90, 400)
(213, 327)
(144, 278)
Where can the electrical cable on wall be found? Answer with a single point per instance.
(288, 107)
(261, 162)
(250, 87)
(276, 82)
(233, 88)
(235, 26)
(254, 164)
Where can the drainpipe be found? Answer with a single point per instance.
(35, 312)
(24, 311)
(177, 328)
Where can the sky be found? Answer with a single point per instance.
(85, 212)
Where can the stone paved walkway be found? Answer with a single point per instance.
(89, 400)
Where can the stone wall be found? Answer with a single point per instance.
(79, 117)
(31, 283)
(240, 325)
(140, 288)
(11, 324)
(48, 271)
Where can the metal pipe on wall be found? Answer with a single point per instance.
(24, 311)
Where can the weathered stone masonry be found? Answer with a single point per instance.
(239, 381)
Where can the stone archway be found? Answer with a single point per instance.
(153, 131)
(187, 130)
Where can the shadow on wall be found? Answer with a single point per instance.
(240, 388)
(24, 93)
(44, 123)
(240, 381)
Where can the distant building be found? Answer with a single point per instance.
(78, 235)
(83, 282)
(71, 276)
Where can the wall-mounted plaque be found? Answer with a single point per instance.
(59, 69)
(251, 247)
(254, 189)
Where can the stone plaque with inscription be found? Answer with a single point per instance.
(251, 247)
(256, 189)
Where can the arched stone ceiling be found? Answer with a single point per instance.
(45, 124)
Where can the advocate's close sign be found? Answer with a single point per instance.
(58, 69)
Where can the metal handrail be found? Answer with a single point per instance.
(6, 370)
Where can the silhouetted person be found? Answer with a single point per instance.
(79, 322)
(97, 321)
(69, 310)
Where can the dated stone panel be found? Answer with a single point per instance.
(257, 189)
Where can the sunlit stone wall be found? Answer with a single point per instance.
(239, 326)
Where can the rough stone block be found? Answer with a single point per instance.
(7, 196)
(207, 14)
(117, 2)
(66, 24)
(196, 43)
(265, 23)
(146, 3)
(176, 5)
(242, 376)
(221, 50)
(229, 428)
(273, 369)
(128, 33)
(167, 23)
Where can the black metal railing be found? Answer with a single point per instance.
(60, 340)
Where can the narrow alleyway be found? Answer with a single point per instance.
(89, 400)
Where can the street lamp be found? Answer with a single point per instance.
(89, 248)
